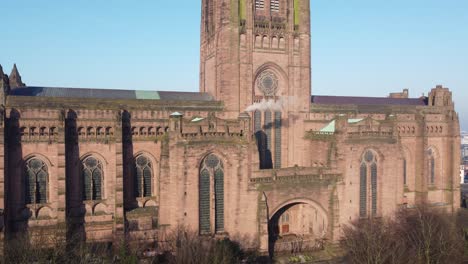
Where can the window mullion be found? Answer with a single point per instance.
(369, 190)
(92, 186)
(35, 189)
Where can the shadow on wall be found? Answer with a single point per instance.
(130, 201)
(15, 212)
(263, 151)
(75, 208)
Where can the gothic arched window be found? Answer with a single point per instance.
(368, 193)
(36, 181)
(431, 166)
(143, 176)
(92, 172)
(211, 171)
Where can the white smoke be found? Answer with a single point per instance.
(270, 105)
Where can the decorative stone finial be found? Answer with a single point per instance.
(15, 78)
(3, 80)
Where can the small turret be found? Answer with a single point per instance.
(4, 86)
(440, 96)
(404, 94)
(3, 79)
(15, 78)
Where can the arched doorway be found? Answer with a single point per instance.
(297, 226)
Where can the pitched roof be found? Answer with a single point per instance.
(110, 94)
(351, 100)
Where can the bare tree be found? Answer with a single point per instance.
(421, 235)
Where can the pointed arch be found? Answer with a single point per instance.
(92, 171)
(211, 184)
(144, 175)
(368, 183)
(36, 180)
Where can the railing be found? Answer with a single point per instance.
(370, 134)
(211, 134)
(320, 135)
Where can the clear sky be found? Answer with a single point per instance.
(359, 47)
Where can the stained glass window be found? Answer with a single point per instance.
(363, 191)
(36, 181)
(268, 129)
(92, 178)
(211, 171)
(277, 140)
(374, 188)
(368, 174)
(219, 200)
(143, 176)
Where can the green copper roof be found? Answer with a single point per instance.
(331, 128)
(147, 95)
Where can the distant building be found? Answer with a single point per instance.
(462, 173)
(464, 147)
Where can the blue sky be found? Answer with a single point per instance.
(360, 47)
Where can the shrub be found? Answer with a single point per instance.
(420, 235)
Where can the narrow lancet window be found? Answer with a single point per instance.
(368, 192)
(211, 184)
(431, 166)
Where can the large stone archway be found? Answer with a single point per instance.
(297, 225)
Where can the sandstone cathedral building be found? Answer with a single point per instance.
(253, 155)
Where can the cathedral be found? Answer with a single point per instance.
(255, 155)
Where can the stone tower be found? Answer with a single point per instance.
(252, 49)
(255, 55)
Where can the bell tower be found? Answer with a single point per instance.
(256, 49)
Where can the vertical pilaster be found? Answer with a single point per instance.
(2, 181)
(61, 177)
(119, 224)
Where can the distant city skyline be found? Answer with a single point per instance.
(360, 48)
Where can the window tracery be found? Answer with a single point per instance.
(368, 193)
(36, 181)
(267, 83)
(92, 173)
(143, 176)
(211, 184)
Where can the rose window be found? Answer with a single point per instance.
(267, 82)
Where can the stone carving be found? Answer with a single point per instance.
(267, 82)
